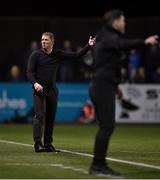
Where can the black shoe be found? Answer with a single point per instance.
(104, 171)
(38, 147)
(51, 148)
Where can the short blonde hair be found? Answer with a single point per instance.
(50, 34)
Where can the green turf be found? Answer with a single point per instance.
(133, 143)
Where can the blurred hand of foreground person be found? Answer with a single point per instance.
(152, 40)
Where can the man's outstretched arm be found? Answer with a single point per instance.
(91, 42)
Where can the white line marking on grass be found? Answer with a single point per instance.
(16, 143)
(90, 155)
(116, 160)
(52, 165)
(151, 152)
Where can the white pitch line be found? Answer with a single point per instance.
(116, 160)
(151, 152)
(16, 143)
(60, 166)
(90, 155)
(52, 165)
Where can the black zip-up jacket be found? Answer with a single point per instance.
(42, 67)
(107, 54)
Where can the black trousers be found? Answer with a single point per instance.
(102, 95)
(45, 106)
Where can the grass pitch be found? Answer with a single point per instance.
(135, 143)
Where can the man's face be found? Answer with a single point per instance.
(46, 42)
(120, 24)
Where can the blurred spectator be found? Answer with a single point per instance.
(33, 46)
(152, 62)
(88, 62)
(15, 74)
(85, 69)
(133, 64)
(140, 76)
(156, 75)
(3, 65)
(79, 69)
(88, 113)
(124, 75)
(67, 67)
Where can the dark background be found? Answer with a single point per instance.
(24, 21)
(79, 8)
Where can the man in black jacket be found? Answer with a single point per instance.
(107, 54)
(41, 71)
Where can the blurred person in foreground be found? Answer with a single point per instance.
(107, 54)
(41, 71)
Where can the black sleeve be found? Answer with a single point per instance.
(31, 67)
(118, 43)
(64, 54)
(128, 44)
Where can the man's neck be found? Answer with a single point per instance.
(48, 51)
